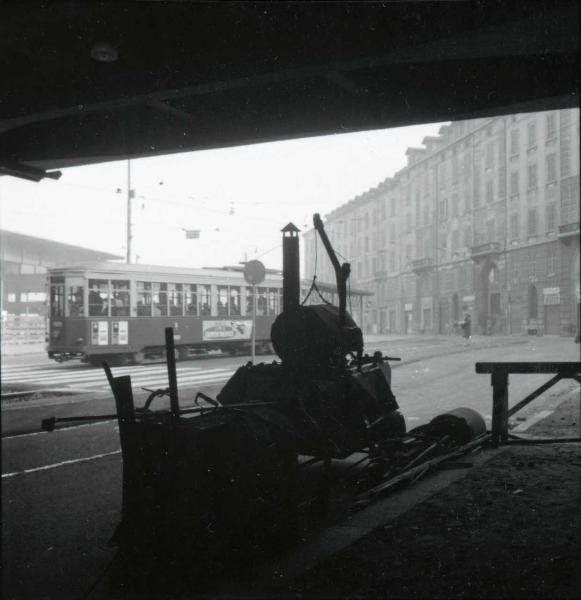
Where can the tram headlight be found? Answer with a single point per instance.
(80, 340)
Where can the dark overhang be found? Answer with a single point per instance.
(99, 81)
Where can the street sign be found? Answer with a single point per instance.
(254, 272)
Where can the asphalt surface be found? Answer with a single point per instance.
(62, 490)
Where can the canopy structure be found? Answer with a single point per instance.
(90, 82)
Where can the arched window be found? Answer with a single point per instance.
(533, 302)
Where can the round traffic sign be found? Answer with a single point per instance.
(254, 272)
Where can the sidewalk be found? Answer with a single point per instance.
(511, 528)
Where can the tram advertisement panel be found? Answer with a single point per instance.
(226, 330)
(99, 333)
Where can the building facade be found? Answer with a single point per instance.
(484, 219)
(24, 261)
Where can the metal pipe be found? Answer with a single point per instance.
(171, 373)
(342, 272)
(291, 283)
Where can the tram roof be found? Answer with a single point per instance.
(201, 273)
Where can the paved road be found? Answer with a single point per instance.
(62, 491)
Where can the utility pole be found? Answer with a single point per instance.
(129, 196)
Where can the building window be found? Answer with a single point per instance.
(426, 214)
(532, 222)
(514, 142)
(551, 262)
(476, 188)
(531, 135)
(455, 169)
(570, 200)
(551, 124)
(489, 156)
(455, 205)
(408, 223)
(455, 236)
(514, 226)
(551, 211)
(532, 177)
(467, 237)
(565, 158)
(489, 191)
(490, 230)
(514, 183)
(11, 297)
(551, 168)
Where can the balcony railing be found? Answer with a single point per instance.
(421, 264)
(569, 229)
(487, 249)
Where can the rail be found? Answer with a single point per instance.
(499, 372)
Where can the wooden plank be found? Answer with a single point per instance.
(564, 368)
(499, 381)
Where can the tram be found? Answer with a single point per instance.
(119, 312)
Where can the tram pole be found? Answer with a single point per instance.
(253, 323)
(129, 195)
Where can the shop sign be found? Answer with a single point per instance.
(551, 296)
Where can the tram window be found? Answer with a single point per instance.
(175, 296)
(222, 300)
(249, 301)
(144, 303)
(234, 301)
(272, 301)
(75, 301)
(159, 299)
(261, 303)
(120, 304)
(57, 300)
(98, 297)
(191, 299)
(205, 300)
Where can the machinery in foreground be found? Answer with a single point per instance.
(207, 487)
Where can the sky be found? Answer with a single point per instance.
(239, 198)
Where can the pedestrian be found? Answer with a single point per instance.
(467, 328)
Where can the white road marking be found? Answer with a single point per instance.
(532, 420)
(21, 435)
(60, 464)
(96, 378)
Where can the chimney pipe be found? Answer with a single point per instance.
(291, 283)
